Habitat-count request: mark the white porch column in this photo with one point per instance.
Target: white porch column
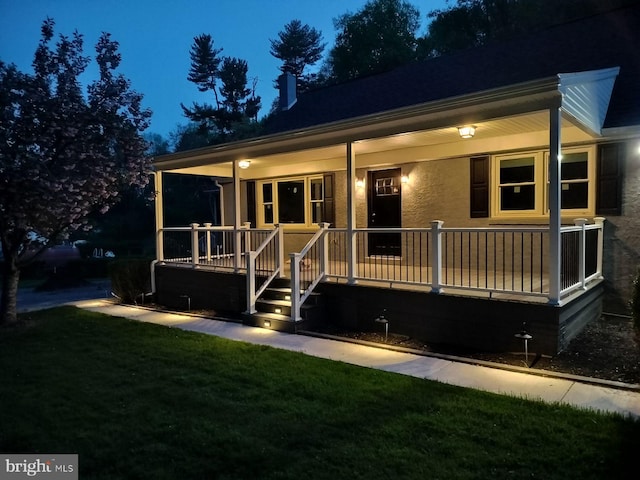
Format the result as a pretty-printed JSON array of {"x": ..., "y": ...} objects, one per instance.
[
  {"x": 237, "y": 237},
  {"x": 351, "y": 215},
  {"x": 159, "y": 216},
  {"x": 555, "y": 219}
]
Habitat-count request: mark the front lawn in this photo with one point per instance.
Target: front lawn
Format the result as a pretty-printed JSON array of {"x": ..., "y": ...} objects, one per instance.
[{"x": 144, "y": 401}]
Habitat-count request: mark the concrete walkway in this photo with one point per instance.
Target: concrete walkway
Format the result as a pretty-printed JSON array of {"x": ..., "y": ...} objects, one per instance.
[{"x": 581, "y": 393}]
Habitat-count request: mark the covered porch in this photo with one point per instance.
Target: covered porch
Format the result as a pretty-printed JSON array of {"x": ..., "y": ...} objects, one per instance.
[{"x": 439, "y": 245}]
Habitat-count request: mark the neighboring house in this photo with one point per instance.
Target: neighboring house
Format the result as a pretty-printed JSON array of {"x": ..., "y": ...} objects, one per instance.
[{"x": 367, "y": 193}]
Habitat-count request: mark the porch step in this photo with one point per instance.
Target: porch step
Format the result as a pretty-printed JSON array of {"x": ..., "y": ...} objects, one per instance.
[
  {"x": 273, "y": 321},
  {"x": 282, "y": 307},
  {"x": 284, "y": 293},
  {"x": 274, "y": 310}
]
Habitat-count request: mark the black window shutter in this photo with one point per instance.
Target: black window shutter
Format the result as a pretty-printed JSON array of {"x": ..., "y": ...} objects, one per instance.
[
  {"x": 609, "y": 179},
  {"x": 328, "y": 205},
  {"x": 479, "y": 195},
  {"x": 251, "y": 203}
]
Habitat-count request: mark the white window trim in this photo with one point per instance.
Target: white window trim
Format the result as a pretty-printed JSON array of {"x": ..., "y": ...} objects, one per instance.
[
  {"x": 276, "y": 213},
  {"x": 541, "y": 175},
  {"x": 538, "y": 178},
  {"x": 591, "y": 178}
]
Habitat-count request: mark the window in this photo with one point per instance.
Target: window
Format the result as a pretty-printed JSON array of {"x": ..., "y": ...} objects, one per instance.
[
  {"x": 522, "y": 183},
  {"x": 518, "y": 184},
  {"x": 317, "y": 200},
  {"x": 574, "y": 185},
  {"x": 291, "y": 201},
  {"x": 267, "y": 202}
]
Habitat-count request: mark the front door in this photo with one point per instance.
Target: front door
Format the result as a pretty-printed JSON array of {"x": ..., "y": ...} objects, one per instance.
[{"x": 384, "y": 202}]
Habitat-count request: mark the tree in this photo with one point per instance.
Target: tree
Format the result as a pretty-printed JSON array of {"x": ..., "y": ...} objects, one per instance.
[
  {"x": 471, "y": 23},
  {"x": 235, "y": 104},
  {"x": 158, "y": 145},
  {"x": 298, "y": 46},
  {"x": 63, "y": 153},
  {"x": 378, "y": 38}
]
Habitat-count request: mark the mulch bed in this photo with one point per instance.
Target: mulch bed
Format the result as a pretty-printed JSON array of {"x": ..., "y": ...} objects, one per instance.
[{"x": 608, "y": 349}]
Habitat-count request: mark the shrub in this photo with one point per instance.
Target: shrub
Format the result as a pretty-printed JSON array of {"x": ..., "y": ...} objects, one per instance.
[
  {"x": 635, "y": 301},
  {"x": 130, "y": 278}
]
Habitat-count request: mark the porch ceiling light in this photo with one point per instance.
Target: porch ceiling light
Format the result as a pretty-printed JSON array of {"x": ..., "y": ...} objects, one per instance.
[
  {"x": 468, "y": 131},
  {"x": 244, "y": 164}
]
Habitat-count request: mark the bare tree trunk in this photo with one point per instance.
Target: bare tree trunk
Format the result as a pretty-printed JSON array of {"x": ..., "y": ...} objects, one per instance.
[{"x": 8, "y": 303}]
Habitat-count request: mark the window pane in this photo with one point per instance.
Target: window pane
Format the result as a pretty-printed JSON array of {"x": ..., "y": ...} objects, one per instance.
[
  {"x": 267, "y": 193},
  {"x": 574, "y": 166},
  {"x": 268, "y": 213},
  {"x": 291, "y": 201},
  {"x": 517, "y": 170},
  {"x": 518, "y": 197},
  {"x": 316, "y": 212},
  {"x": 316, "y": 189},
  {"x": 574, "y": 195}
]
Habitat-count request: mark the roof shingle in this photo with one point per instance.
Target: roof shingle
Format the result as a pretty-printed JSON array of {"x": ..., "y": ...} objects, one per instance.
[{"x": 601, "y": 41}]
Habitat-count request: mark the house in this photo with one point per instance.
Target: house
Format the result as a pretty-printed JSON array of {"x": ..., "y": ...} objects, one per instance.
[{"x": 460, "y": 197}]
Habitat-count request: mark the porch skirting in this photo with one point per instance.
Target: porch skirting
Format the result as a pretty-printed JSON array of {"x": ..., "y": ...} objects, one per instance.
[
  {"x": 464, "y": 321},
  {"x": 467, "y": 322}
]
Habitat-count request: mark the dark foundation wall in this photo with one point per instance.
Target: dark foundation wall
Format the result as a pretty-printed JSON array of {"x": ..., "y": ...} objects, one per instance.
[
  {"x": 476, "y": 323},
  {"x": 222, "y": 292}
]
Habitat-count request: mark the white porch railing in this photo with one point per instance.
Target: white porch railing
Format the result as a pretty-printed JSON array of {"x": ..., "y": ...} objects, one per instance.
[
  {"x": 308, "y": 268},
  {"x": 263, "y": 265},
  {"x": 511, "y": 260},
  {"x": 206, "y": 245}
]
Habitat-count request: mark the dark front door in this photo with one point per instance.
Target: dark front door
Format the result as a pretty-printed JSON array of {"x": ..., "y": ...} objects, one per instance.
[{"x": 385, "y": 191}]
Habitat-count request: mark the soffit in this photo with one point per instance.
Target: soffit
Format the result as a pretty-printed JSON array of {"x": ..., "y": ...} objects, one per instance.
[{"x": 491, "y": 135}]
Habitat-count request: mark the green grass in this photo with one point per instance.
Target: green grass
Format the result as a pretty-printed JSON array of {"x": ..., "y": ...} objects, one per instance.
[{"x": 143, "y": 401}]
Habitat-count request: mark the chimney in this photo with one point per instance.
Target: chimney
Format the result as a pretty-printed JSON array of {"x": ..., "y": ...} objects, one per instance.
[{"x": 287, "y": 84}]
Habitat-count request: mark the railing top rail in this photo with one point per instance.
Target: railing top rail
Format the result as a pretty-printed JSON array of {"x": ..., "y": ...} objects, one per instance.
[
  {"x": 312, "y": 241},
  {"x": 577, "y": 228},
  {"x": 199, "y": 228},
  {"x": 452, "y": 229},
  {"x": 175, "y": 229},
  {"x": 533, "y": 229}
]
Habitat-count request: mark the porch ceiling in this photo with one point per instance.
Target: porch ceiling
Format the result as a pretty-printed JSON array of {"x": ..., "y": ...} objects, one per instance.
[{"x": 509, "y": 133}]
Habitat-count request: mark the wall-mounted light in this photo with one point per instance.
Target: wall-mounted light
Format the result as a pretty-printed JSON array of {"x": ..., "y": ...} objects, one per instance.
[
  {"x": 468, "y": 131},
  {"x": 244, "y": 164},
  {"x": 404, "y": 179},
  {"x": 360, "y": 182}
]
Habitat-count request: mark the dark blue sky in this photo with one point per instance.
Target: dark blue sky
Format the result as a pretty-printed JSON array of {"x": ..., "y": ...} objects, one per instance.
[{"x": 155, "y": 38}]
